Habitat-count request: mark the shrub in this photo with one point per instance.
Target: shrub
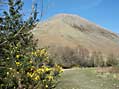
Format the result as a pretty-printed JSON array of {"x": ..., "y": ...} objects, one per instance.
[
  {"x": 65, "y": 57},
  {"x": 68, "y": 57},
  {"x": 112, "y": 60},
  {"x": 97, "y": 59},
  {"x": 21, "y": 64},
  {"x": 30, "y": 71}
]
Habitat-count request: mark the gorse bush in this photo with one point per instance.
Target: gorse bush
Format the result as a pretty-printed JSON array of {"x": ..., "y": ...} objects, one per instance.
[
  {"x": 22, "y": 66},
  {"x": 32, "y": 72}
]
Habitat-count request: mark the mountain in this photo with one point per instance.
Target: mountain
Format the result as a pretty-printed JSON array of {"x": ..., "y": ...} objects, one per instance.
[{"x": 74, "y": 32}]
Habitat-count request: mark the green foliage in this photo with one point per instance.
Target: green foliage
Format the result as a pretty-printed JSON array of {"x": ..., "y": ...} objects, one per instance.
[{"x": 21, "y": 64}]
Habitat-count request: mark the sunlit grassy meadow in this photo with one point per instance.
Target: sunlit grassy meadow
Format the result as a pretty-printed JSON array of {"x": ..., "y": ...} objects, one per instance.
[{"x": 87, "y": 78}]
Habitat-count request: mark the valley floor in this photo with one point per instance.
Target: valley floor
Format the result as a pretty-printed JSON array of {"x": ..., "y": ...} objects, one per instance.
[{"x": 87, "y": 78}]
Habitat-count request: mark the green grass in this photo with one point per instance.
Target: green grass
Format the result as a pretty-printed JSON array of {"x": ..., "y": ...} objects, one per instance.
[{"x": 86, "y": 78}]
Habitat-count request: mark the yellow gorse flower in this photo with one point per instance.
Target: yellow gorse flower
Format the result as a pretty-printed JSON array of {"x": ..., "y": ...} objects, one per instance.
[
  {"x": 29, "y": 74},
  {"x": 40, "y": 70},
  {"x": 30, "y": 61},
  {"x": 47, "y": 69},
  {"x": 58, "y": 69},
  {"x": 50, "y": 77},
  {"x": 36, "y": 78},
  {"x": 41, "y": 53},
  {"x": 32, "y": 53},
  {"x": 33, "y": 75},
  {"x": 18, "y": 63},
  {"x": 17, "y": 56},
  {"x": 46, "y": 86}
]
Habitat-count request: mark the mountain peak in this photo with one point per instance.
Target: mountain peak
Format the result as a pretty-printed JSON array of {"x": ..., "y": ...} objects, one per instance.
[
  {"x": 72, "y": 30},
  {"x": 78, "y": 22},
  {"x": 65, "y": 14},
  {"x": 72, "y": 19}
]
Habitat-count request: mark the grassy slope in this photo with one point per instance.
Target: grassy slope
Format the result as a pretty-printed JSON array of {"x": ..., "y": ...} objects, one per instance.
[{"x": 86, "y": 79}]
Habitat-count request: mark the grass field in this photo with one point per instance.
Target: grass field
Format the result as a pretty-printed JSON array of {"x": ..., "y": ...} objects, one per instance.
[{"x": 87, "y": 78}]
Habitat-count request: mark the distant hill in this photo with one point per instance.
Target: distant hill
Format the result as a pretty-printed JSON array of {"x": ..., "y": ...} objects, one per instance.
[{"x": 72, "y": 32}]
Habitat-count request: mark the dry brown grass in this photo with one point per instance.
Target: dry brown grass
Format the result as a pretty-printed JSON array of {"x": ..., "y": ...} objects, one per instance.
[{"x": 108, "y": 70}]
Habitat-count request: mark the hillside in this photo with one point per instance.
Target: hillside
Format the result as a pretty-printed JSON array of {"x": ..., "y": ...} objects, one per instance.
[{"x": 72, "y": 32}]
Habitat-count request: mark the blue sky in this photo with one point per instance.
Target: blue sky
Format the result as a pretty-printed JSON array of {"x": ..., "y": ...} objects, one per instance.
[{"x": 102, "y": 12}]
